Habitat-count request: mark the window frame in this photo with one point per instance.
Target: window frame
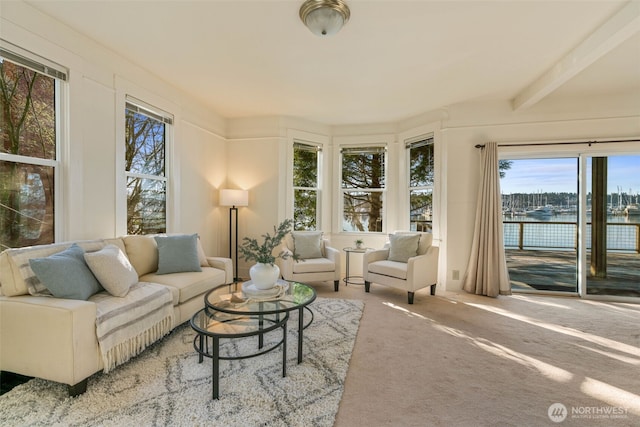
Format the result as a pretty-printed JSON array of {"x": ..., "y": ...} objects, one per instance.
[
  {"x": 168, "y": 120},
  {"x": 364, "y": 143},
  {"x": 318, "y": 186},
  {"x": 409, "y": 144},
  {"x": 324, "y": 175},
  {"x": 60, "y": 76}
]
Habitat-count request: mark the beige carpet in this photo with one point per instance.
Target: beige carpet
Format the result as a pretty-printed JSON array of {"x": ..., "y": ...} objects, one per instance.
[{"x": 464, "y": 360}]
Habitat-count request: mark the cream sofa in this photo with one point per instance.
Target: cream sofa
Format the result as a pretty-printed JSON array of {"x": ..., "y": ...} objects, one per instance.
[{"x": 56, "y": 339}]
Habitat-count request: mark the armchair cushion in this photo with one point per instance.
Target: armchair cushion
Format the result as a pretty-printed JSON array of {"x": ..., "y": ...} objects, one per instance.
[
  {"x": 307, "y": 244},
  {"x": 389, "y": 268},
  {"x": 403, "y": 246},
  {"x": 314, "y": 265}
]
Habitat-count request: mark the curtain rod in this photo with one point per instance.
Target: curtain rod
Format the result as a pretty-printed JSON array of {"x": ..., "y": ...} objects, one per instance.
[{"x": 563, "y": 143}]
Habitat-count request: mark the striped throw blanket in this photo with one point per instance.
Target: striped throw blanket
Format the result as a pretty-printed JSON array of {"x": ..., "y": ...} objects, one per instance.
[{"x": 126, "y": 326}]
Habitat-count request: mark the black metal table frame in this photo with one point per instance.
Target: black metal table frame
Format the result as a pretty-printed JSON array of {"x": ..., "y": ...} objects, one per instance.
[
  {"x": 348, "y": 280},
  {"x": 201, "y": 340},
  {"x": 301, "y": 325},
  {"x": 201, "y": 344}
]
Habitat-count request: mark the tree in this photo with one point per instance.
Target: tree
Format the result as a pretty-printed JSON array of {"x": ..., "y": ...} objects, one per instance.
[
  {"x": 363, "y": 176},
  {"x": 305, "y": 180},
  {"x": 503, "y": 166},
  {"x": 27, "y": 128},
  {"x": 145, "y": 155},
  {"x": 421, "y": 179}
]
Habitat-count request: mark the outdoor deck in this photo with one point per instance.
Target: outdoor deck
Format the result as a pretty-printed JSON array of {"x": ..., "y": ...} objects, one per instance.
[{"x": 549, "y": 270}]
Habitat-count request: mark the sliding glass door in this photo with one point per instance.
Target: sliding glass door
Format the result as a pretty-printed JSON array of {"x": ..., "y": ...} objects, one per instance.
[
  {"x": 540, "y": 215},
  {"x": 613, "y": 226},
  {"x": 545, "y": 212}
]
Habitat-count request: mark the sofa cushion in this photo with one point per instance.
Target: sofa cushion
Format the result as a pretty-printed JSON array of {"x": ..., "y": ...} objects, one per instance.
[
  {"x": 112, "y": 269},
  {"x": 307, "y": 244},
  {"x": 389, "y": 268},
  {"x": 403, "y": 246},
  {"x": 117, "y": 241},
  {"x": 143, "y": 253},
  {"x": 187, "y": 285},
  {"x": 177, "y": 254},
  {"x": 66, "y": 274}
]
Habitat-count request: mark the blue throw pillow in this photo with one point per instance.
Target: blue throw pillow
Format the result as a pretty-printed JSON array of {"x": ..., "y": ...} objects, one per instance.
[
  {"x": 66, "y": 274},
  {"x": 177, "y": 254}
]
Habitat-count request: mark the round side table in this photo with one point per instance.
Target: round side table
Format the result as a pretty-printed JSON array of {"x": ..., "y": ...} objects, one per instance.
[{"x": 349, "y": 279}]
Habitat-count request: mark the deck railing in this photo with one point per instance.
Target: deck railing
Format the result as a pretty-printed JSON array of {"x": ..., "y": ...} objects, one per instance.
[{"x": 564, "y": 235}]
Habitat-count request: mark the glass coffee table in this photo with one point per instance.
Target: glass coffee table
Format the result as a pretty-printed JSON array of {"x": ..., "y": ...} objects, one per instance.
[{"x": 250, "y": 312}]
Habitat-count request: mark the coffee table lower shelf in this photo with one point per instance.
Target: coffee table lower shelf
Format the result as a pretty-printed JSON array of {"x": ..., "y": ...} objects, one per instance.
[{"x": 212, "y": 326}]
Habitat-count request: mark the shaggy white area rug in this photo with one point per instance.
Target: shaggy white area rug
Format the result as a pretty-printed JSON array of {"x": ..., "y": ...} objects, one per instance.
[{"x": 166, "y": 386}]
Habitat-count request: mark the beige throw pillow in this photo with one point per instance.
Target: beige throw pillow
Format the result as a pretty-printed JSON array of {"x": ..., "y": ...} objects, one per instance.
[
  {"x": 403, "y": 246},
  {"x": 143, "y": 253},
  {"x": 202, "y": 257},
  {"x": 112, "y": 269},
  {"x": 307, "y": 244}
]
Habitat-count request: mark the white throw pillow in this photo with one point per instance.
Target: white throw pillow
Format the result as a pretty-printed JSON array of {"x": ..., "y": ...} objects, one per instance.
[
  {"x": 307, "y": 244},
  {"x": 202, "y": 257},
  {"x": 403, "y": 246},
  {"x": 112, "y": 269}
]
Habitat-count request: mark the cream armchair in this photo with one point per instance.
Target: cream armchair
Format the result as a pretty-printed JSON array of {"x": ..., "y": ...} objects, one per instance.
[
  {"x": 318, "y": 261},
  {"x": 409, "y": 262}
]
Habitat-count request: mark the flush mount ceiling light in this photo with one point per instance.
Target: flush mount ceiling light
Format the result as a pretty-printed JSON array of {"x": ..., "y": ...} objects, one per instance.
[{"x": 324, "y": 17}]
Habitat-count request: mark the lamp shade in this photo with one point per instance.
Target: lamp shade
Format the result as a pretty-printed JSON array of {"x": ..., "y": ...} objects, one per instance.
[{"x": 234, "y": 197}]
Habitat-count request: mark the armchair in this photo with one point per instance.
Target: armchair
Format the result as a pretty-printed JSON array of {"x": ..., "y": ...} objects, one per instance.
[
  {"x": 318, "y": 261},
  {"x": 409, "y": 262}
]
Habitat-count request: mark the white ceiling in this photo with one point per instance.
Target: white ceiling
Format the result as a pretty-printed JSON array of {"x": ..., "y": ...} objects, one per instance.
[{"x": 393, "y": 60}]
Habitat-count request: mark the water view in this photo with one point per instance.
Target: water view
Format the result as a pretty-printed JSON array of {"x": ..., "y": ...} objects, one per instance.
[{"x": 541, "y": 223}]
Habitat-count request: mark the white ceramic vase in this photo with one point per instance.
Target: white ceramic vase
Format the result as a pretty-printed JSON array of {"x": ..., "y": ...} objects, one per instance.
[{"x": 264, "y": 276}]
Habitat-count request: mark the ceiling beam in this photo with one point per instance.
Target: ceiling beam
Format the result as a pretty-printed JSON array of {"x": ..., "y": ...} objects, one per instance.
[{"x": 621, "y": 26}]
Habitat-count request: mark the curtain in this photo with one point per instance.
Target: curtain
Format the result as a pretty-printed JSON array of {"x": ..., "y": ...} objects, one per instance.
[{"x": 487, "y": 272}]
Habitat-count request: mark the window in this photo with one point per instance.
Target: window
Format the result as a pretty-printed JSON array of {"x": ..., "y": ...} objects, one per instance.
[
  {"x": 363, "y": 188},
  {"x": 29, "y": 133},
  {"x": 146, "y": 134},
  {"x": 421, "y": 177},
  {"x": 306, "y": 188}
]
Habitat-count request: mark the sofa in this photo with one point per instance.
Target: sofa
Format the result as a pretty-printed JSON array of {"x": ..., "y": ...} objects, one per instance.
[{"x": 59, "y": 329}]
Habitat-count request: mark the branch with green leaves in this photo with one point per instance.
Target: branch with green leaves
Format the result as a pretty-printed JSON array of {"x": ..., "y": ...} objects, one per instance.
[{"x": 251, "y": 250}]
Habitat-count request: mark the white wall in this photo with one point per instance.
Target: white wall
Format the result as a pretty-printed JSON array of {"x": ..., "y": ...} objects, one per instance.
[
  {"x": 98, "y": 81},
  {"x": 254, "y": 165}
]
